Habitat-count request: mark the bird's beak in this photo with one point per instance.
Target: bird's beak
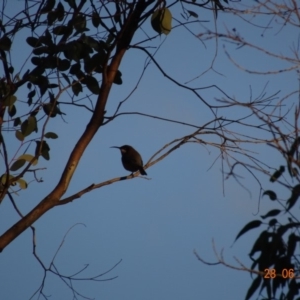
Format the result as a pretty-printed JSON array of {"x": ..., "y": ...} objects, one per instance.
[{"x": 115, "y": 147}]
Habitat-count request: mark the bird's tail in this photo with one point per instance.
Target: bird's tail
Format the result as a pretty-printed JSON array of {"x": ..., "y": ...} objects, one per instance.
[{"x": 142, "y": 171}]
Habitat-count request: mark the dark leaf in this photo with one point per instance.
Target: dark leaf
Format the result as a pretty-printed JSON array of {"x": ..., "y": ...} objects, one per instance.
[
  {"x": 11, "y": 69},
  {"x": 51, "y": 17},
  {"x": 272, "y": 222},
  {"x": 33, "y": 42},
  {"x": 18, "y": 164},
  {"x": 261, "y": 243},
  {"x": 5, "y": 43},
  {"x": 51, "y": 135},
  {"x": 272, "y": 213},
  {"x": 95, "y": 19},
  {"x": 249, "y": 226},
  {"x": 41, "y": 50},
  {"x": 19, "y": 136},
  {"x": 62, "y": 29},
  {"x": 44, "y": 149},
  {"x": 271, "y": 195},
  {"x": 92, "y": 84},
  {"x": 17, "y": 121},
  {"x": 53, "y": 85},
  {"x": 282, "y": 229},
  {"x": 294, "y": 197},
  {"x": 48, "y": 6},
  {"x": 75, "y": 68},
  {"x": 12, "y": 111},
  {"x": 277, "y": 174},
  {"x": 266, "y": 285},
  {"x": 118, "y": 78},
  {"x": 254, "y": 286},
  {"x": 28, "y": 126},
  {"x": 192, "y": 13},
  {"x": 63, "y": 64},
  {"x": 76, "y": 87},
  {"x": 60, "y": 10},
  {"x": 37, "y": 61},
  {"x": 35, "y": 74},
  {"x": 66, "y": 78},
  {"x": 293, "y": 290},
  {"x": 79, "y": 23},
  {"x": 46, "y": 39}
]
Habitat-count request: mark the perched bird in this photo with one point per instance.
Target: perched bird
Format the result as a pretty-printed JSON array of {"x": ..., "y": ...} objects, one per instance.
[{"x": 131, "y": 159}]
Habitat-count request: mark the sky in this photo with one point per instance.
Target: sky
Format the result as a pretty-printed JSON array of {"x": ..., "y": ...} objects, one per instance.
[{"x": 152, "y": 225}]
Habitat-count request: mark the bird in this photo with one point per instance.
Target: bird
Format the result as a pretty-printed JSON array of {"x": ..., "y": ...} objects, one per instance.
[{"x": 131, "y": 159}]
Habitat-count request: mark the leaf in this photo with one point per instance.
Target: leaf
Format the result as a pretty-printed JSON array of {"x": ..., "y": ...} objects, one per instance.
[
  {"x": 12, "y": 111},
  {"x": 17, "y": 121},
  {"x": 249, "y": 226},
  {"x": 75, "y": 68},
  {"x": 62, "y": 29},
  {"x": 28, "y": 126},
  {"x": 95, "y": 19},
  {"x": 118, "y": 78},
  {"x": 31, "y": 94},
  {"x": 271, "y": 195},
  {"x": 48, "y": 6},
  {"x": 161, "y": 21},
  {"x": 18, "y": 164},
  {"x": 22, "y": 183},
  {"x": 46, "y": 39},
  {"x": 272, "y": 213},
  {"x": 272, "y": 222},
  {"x": 76, "y": 88},
  {"x": 4, "y": 178},
  {"x": 66, "y": 78},
  {"x": 51, "y": 135},
  {"x": 79, "y": 23},
  {"x": 28, "y": 157},
  {"x": 33, "y": 42},
  {"x": 277, "y": 174},
  {"x": 294, "y": 197},
  {"x": 19, "y": 136},
  {"x": 10, "y": 100},
  {"x": 92, "y": 84},
  {"x": 60, "y": 10},
  {"x": 51, "y": 17},
  {"x": 63, "y": 64},
  {"x": 41, "y": 50},
  {"x": 44, "y": 151},
  {"x": 192, "y": 13},
  {"x": 5, "y": 43},
  {"x": 254, "y": 286}
]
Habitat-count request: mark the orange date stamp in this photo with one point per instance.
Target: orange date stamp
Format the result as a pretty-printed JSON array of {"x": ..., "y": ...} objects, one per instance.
[{"x": 285, "y": 273}]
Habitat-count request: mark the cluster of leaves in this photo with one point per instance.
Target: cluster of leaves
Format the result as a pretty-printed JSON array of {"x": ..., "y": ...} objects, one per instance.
[
  {"x": 66, "y": 50},
  {"x": 63, "y": 49},
  {"x": 277, "y": 247}
]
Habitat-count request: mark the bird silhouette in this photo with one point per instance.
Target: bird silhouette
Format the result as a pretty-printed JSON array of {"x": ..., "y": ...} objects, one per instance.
[{"x": 131, "y": 159}]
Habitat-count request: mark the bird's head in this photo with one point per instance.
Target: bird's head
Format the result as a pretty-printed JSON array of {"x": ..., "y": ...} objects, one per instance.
[{"x": 123, "y": 149}]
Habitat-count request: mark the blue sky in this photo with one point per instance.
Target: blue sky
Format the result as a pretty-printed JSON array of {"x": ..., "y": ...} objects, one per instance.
[{"x": 152, "y": 225}]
